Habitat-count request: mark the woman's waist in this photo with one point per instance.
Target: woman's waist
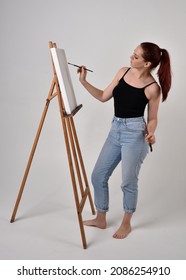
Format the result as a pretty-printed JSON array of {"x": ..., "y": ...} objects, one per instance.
[{"x": 129, "y": 120}]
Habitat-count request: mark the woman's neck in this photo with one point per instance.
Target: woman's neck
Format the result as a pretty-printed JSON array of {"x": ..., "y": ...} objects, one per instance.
[{"x": 140, "y": 73}]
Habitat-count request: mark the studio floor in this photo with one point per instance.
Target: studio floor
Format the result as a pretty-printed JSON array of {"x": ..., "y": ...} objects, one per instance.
[{"x": 50, "y": 230}]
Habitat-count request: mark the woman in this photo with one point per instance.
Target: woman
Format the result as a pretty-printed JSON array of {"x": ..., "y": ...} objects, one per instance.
[{"x": 129, "y": 138}]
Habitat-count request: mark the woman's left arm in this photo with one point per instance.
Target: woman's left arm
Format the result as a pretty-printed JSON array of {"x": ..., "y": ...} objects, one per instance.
[{"x": 154, "y": 94}]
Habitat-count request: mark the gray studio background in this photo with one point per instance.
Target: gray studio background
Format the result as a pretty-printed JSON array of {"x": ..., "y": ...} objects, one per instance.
[{"x": 101, "y": 35}]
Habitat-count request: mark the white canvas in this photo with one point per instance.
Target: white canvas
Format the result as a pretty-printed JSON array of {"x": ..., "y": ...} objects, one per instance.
[{"x": 64, "y": 78}]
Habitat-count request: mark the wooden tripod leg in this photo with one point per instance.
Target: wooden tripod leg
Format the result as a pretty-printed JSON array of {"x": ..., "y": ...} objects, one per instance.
[
  {"x": 30, "y": 161},
  {"x": 82, "y": 165},
  {"x": 71, "y": 135},
  {"x": 65, "y": 127}
]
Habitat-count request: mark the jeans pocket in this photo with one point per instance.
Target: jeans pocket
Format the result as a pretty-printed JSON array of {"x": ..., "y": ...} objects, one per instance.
[{"x": 136, "y": 126}]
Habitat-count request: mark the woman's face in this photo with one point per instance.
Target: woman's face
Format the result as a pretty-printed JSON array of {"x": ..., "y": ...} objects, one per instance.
[{"x": 136, "y": 59}]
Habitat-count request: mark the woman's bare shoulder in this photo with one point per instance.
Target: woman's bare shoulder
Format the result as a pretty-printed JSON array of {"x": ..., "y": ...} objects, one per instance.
[
  {"x": 153, "y": 91},
  {"x": 121, "y": 72}
]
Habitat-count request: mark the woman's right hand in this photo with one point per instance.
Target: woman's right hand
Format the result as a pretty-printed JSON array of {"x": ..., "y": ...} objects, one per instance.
[{"x": 83, "y": 73}]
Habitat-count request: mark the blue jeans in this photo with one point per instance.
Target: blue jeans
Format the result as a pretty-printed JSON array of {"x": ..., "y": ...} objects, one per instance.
[{"x": 125, "y": 143}]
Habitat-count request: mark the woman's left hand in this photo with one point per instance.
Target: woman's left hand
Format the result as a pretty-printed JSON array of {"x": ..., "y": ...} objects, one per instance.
[{"x": 150, "y": 138}]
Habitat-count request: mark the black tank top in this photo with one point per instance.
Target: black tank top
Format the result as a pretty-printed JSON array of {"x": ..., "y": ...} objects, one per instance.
[{"x": 129, "y": 101}]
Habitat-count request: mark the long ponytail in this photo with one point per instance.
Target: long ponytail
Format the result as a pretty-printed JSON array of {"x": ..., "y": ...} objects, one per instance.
[
  {"x": 158, "y": 56},
  {"x": 164, "y": 73}
]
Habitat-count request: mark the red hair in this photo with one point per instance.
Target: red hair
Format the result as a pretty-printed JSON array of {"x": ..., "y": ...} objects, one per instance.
[{"x": 157, "y": 56}]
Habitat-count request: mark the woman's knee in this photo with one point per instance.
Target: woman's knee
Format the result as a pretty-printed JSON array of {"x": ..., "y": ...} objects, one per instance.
[{"x": 98, "y": 179}]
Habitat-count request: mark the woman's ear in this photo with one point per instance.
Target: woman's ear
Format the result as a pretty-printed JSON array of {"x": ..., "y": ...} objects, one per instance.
[{"x": 147, "y": 64}]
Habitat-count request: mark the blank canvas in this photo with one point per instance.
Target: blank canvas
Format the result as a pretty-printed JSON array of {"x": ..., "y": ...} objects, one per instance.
[{"x": 64, "y": 78}]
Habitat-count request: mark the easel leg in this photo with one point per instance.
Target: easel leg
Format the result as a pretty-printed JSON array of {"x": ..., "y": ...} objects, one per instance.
[
  {"x": 67, "y": 134},
  {"x": 82, "y": 165},
  {"x": 30, "y": 161}
]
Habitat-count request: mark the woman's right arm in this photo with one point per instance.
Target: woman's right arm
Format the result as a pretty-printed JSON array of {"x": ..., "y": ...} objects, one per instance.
[{"x": 101, "y": 95}]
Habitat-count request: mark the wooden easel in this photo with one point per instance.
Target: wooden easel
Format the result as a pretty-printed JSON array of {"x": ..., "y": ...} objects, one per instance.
[{"x": 76, "y": 165}]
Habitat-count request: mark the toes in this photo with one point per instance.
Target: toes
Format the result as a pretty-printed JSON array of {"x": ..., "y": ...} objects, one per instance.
[
  {"x": 121, "y": 235},
  {"x": 118, "y": 236}
]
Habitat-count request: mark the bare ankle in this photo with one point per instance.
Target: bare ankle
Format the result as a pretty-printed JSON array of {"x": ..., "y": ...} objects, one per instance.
[
  {"x": 125, "y": 227},
  {"x": 101, "y": 216}
]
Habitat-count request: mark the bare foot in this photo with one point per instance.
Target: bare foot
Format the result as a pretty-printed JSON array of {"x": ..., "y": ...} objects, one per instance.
[
  {"x": 123, "y": 231},
  {"x": 99, "y": 221},
  {"x": 95, "y": 223}
]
